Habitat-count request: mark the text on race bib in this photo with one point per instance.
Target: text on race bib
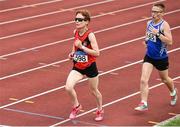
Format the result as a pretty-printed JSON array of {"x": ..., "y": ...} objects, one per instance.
[
  {"x": 151, "y": 37},
  {"x": 81, "y": 58}
]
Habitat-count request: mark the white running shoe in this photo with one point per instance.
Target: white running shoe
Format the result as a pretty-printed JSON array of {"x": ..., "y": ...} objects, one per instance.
[
  {"x": 141, "y": 107},
  {"x": 174, "y": 98}
]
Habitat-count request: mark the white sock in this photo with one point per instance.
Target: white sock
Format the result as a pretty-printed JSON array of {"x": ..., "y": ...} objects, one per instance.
[
  {"x": 145, "y": 102},
  {"x": 173, "y": 93}
]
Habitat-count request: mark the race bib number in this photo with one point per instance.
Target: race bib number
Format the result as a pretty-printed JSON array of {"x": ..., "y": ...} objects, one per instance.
[
  {"x": 80, "y": 56},
  {"x": 151, "y": 37}
]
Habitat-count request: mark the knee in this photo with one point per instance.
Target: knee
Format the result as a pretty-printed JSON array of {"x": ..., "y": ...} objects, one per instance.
[
  {"x": 68, "y": 88},
  {"x": 164, "y": 80},
  {"x": 94, "y": 91}
]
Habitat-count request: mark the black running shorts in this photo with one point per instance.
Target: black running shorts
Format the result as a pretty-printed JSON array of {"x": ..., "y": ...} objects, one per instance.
[
  {"x": 90, "y": 71},
  {"x": 161, "y": 64}
]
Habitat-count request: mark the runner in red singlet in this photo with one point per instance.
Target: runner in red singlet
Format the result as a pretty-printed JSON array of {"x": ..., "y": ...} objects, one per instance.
[{"x": 84, "y": 53}]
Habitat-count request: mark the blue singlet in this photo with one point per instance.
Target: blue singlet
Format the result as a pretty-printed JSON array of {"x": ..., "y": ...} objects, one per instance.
[{"x": 156, "y": 49}]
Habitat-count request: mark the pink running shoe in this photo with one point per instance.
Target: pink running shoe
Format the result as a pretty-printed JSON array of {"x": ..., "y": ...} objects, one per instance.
[
  {"x": 99, "y": 115},
  {"x": 75, "y": 111}
]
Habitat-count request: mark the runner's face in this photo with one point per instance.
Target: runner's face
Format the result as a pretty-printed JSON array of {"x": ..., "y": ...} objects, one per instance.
[
  {"x": 157, "y": 13},
  {"x": 80, "y": 21}
]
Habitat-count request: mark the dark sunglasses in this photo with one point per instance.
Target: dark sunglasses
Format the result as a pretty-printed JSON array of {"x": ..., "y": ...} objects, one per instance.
[
  {"x": 79, "y": 19},
  {"x": 156, "y": 11}
]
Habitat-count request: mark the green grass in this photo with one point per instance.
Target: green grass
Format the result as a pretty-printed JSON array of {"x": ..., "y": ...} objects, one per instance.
[{"x": 174, "y": 122}]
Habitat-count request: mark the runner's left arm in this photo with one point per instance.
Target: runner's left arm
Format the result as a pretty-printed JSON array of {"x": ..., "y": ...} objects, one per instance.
[{"x": 167, "y": 37}]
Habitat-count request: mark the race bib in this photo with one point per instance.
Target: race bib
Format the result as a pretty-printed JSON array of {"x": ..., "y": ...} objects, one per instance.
[
  {"x": 151, "y": 37},
  {"x": 80, "y": 56}
]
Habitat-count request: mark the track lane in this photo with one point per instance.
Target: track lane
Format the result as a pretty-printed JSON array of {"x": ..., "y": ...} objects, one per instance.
[
  {"x": 9, "y": 28},
  {"x": 123, "y": 111},
  {"x": 69, "y": 33},
  {"x": 43, "y": 10},
  {"x": 42, "y": 23},
  {"x": 44, "y": 77},
  {"x": 48, "y": 78},
  {"x": 120, "y": 78},
  {"x": 27, "y": 62},
  {"x": 7, "y": 4},
  {"x": 89, "y": 117},
  {"x": 28, "y": 5},
  {"x": 29, "y": 42}
]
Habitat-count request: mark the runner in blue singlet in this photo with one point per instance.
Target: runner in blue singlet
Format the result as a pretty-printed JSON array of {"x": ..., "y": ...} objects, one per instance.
[{"x": 158, "y": 37}]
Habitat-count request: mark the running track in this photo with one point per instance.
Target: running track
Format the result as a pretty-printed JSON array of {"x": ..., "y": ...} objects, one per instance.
[{"x": 35, "y": 39}]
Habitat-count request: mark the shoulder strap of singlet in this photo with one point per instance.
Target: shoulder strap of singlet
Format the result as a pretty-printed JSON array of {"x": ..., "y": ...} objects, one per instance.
[
  {"x": 160, "y": 27},
  {"x": 76, "y": 34},
  {"x": 82, "y": 38},
  {"x": 149, "y": 23}
]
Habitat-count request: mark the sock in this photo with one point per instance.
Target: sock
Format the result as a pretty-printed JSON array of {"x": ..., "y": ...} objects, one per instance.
[
  {"x": 173, "y": 93},
  {"x": 145, "y": 103}
]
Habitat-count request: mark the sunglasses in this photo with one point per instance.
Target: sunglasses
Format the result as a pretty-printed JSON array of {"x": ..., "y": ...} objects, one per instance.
[
  {"x": 79, "y": 19},
  {"x": 156, "y": 11}
]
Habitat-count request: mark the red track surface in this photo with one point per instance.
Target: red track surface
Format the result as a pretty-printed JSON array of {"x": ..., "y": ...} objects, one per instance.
[{"x": 26, "y": 75}]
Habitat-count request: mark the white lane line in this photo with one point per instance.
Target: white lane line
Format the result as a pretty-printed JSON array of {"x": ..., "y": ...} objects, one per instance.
[
  {"x": 176, "y": 82},
  {"x": 68, "y": 39},
  {"x": 4, "y": 125},
  {"x": 66, "y": 23},
  {"x": 33, "y": 69},
  {"x": 29, "y": 5},
  {"x": 55, "y": 12},
  {"x": 127, "y": 9},
  {"x": 61, "y": 87},
  {"x": 65, "y": 60},
  {"x": 110, "y": 103}
]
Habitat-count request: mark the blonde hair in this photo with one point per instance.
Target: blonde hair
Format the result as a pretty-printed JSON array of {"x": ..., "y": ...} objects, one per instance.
[{"x": 161, "y": 5}]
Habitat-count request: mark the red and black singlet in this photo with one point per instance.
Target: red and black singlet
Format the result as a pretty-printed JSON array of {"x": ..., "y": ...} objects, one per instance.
[{"x": 82, "y": 60}]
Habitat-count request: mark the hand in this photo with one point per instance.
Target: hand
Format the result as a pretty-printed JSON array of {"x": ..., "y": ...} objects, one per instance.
[
  {"x": 78, "y": 43},
  {"x": 154, "y": 31},
  {"x": 71, "y": 55}
]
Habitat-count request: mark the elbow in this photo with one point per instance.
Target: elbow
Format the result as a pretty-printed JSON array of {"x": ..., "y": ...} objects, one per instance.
[{"x": 170, "y": 43}]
